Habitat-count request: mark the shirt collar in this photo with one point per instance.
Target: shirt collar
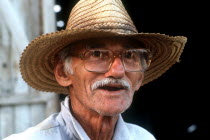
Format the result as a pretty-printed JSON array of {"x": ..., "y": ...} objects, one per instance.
[
  {"x": 121, "y": 131},
  {"x": 72, "y": 124}
]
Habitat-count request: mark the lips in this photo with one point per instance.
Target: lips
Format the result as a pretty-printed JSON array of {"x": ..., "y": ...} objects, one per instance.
[{"x": 112, "y": 88}]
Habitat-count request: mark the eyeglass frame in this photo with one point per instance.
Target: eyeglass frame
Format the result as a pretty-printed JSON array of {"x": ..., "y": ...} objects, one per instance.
[{"x": 119, "y": 55}]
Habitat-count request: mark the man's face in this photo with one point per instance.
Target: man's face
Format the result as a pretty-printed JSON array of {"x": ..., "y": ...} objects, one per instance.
[{"x": 105, "y": 98}]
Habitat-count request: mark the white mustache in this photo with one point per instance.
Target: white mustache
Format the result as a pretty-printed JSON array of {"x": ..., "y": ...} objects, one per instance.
[{"x": 108, "y": 81}]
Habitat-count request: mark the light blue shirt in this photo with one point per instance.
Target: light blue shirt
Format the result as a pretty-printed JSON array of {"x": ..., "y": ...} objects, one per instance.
[{"x": 63, "y": 126}]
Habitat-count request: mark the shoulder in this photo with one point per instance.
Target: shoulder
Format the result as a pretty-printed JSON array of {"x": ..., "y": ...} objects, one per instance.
[
  {"x": 47, "y": 129},
  {"x": 138, "y": 132}
]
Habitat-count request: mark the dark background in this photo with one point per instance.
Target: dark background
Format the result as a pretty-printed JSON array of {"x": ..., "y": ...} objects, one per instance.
[{"x": 169, "y": 105}]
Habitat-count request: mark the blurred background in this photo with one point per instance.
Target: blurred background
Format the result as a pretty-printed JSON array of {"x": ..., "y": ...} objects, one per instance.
[{"x": 174, "y": 106}]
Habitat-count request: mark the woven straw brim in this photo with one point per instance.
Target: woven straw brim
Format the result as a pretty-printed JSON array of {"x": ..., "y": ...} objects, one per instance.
[{"x": 37, "y": 61}]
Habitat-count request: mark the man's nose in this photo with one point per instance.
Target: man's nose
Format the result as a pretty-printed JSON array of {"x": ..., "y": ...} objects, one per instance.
[{"x": 117, "y": 69}]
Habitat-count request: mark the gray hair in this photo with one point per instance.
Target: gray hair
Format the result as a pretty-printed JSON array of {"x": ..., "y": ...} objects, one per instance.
[{"x": 64, "y": 56}]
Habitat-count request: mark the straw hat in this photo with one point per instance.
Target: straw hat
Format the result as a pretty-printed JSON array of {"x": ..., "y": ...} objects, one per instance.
[{"x": 95, "y": 19}]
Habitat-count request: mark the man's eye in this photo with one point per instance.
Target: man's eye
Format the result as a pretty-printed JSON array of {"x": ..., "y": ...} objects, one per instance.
[
  {"x": 97, "y": 54},
  {"x": 128, "y": 55}
]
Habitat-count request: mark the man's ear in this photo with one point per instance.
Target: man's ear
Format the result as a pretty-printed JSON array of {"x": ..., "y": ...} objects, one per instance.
[{"x": 61, "y": 76}]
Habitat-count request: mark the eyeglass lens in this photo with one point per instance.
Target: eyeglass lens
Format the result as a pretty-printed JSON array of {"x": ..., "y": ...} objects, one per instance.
[{"x": 101, "y": 60}]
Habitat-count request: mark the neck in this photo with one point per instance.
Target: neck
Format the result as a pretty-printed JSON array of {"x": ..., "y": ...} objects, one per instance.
[{"x": 97, "y": 127}]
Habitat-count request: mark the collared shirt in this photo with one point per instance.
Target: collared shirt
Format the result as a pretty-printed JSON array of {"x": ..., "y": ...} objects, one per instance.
[{"x": 63, "y": 126}]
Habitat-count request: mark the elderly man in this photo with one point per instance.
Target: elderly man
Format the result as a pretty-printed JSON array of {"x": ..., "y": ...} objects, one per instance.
[{"x": 99, "y": 61}]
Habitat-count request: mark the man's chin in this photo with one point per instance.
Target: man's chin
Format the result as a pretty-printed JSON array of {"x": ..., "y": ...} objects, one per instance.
[
  {"x": 111, "y": 112},
  {"x": 112, "y": 106}
]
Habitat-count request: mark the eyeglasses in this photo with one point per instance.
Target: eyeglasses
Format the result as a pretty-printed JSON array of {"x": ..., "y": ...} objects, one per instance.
[{"x": 100, "y": 61}]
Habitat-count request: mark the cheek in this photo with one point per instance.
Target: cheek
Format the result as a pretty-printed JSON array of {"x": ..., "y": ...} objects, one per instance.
[
  {"x": 82, "y": 79},
  {"x": 79, "y": 78},
  {"x": 136, "y": 80}
]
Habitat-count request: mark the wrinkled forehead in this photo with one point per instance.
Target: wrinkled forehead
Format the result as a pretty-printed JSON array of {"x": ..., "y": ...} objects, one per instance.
[{"x": 106, "y": 43}]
